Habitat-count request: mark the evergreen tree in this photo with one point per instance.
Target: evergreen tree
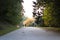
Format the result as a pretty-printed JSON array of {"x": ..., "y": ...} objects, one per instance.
[{"x": 10, "y": 11}]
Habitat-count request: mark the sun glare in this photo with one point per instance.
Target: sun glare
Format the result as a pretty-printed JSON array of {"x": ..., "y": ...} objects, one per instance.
[{"x": 28, "y": 7}]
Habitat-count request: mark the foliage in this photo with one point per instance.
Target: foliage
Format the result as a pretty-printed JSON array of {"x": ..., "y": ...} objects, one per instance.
[
  {"x": 10, "y": 15},
  {"x": 51, "y": 12},
  {"x": 28, "y": 21},
  {"x": 10, "y": 11},
  {"x": 48, "y": 18},
  {"x": 37, "y": 14}
]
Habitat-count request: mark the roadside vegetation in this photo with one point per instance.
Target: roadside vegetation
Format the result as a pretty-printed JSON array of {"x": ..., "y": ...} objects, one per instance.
[
  {"x": 52, "y": 29},
  {"x": 6, "y": 29},
  {"x": 10, "y": 15},
  {"x": 51, "y": 14}
]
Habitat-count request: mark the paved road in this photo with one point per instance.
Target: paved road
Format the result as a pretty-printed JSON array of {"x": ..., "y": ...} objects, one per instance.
[{"x": 30, "y": 33}]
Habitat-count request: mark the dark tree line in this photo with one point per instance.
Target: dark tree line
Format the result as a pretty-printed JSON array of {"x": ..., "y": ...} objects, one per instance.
[
  {"x": 10, "y": 11},
  {"x": 51, "y": 12}
]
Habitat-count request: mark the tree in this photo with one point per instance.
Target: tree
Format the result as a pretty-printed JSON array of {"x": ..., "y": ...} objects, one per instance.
[
  {"x": 37, "y": 14},
  {"x": 10, "y": 11},
  {"x": 51, "y": 12}
]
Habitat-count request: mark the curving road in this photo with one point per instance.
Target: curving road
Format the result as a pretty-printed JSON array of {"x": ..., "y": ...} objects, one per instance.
[{"x": 30, "y": 33}]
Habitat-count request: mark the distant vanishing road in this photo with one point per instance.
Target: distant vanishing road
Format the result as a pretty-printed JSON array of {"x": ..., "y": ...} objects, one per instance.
[{"x": 30, "y": 33}]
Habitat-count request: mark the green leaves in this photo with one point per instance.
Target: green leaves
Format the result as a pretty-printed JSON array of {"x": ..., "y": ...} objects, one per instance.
[
  {"x": 11, "y": 10},
  {"x": 51, "y": 12}
]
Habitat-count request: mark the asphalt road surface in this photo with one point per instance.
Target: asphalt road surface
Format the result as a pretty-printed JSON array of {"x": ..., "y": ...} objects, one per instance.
[{"x": 30, "y": 33}]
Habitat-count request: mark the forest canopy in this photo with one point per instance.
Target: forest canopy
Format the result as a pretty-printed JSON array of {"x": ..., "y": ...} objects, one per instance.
[
  {"x": 10, "y": 11},
  {"x": 51, "y": 12}
]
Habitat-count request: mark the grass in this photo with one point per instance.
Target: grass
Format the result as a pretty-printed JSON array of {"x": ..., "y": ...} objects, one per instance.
[
  {"x": 5, "y": 27},
  {"x": 7, "y": 30},
  {"x": 52, "y": 29}
]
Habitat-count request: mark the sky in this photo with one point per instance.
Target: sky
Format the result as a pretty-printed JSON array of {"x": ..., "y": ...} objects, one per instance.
[{"x": 28, "y": 8}]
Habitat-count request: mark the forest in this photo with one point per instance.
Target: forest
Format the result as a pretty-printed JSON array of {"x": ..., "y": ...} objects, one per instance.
[
  {"x": 11, "y": 14},
  {"x": 51, "y": 13}
]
